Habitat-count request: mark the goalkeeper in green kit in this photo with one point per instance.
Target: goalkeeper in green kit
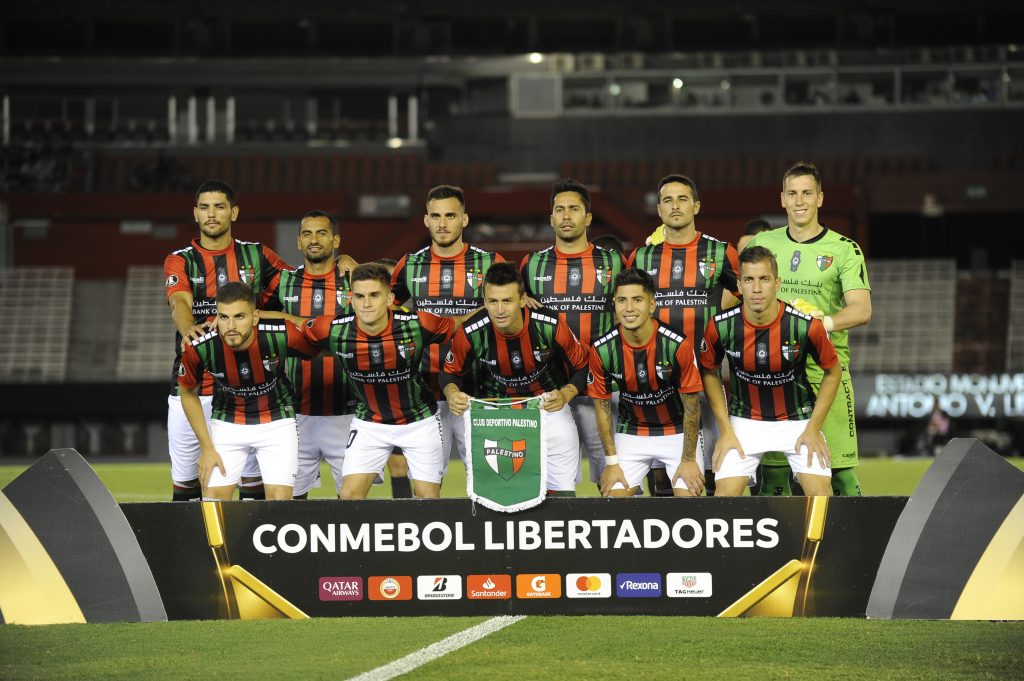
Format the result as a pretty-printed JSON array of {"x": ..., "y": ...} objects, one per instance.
[{"x": 823, "y": 274}]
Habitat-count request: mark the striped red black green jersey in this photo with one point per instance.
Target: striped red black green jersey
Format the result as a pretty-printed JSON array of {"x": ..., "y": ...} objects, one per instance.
[
  {"x": 321, "y": 387},
  {"x": 385, "y": 368},
  {"x": 529, "y": 363},
  {"x": 201, "y": 272},
  {"x": 447, "y": 286},
  {"x": 649, "y": 379},
  {"x": 767, "y": 363},
  {"x": 575, "y": 285},
  {"x": 689, "y": 280},
  {"x": 251, "y": 385}
]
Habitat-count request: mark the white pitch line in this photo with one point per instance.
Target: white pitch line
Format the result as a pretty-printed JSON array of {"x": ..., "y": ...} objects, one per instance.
[{"x": 439, "y": 649}]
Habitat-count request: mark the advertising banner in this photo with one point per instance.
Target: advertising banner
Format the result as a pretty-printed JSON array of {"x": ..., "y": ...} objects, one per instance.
[{"x": 507, "y": 466}]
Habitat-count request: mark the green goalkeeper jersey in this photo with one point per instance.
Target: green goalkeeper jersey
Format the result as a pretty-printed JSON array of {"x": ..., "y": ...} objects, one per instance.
[{"x": 820, "y": 271}]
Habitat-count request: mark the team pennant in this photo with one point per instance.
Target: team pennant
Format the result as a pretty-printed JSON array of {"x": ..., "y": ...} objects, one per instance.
[{"x": 507, "y": 468}]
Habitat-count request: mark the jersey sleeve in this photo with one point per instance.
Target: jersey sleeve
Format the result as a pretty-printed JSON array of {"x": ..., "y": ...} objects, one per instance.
[
  {"x": 822, "y": 350},
  {"x": 298, "y": 344},
  {"x": 271, "y": 266},
  {"x": 457, "y": 361},
  {"x": 730, "y": 275},
  {"x": 854, "y": 271},
  {"x": 522, "y": 272},
  {"x": 175, "y": 277},
  {"x": 435, "y": 329},
  {"x": 398, "y": 287},
  {"x": 711, "y": 352},
  {"x": 574, "y": 350},
  {"x": 631, "y": 259},
  {"x": 317, "y": 329},
  {"x": 190, "y": 370},
  {"x": 498, "y": 257},
  {"x": 597, "y": 385},
  {"x": 689, "y": 375}
]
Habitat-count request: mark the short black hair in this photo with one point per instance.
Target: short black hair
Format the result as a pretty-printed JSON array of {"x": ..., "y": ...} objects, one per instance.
[
  {"x": 609, "y": 242},
  {"x": 234, "y": 291},
  {"x": 567, "y": 184},
  {"x": 321, "y": 214},
  {"x": 502, "y": 274},
  {"x": 217, "y": 186},
  {"x": 681, "y": 179},
  {"x": 633, "y": 275},
  {"x": 447, "y": 191},
  {"x": 756, "y": 226},
  {"x": 802, "y": 168},
  {"x": 752, "y": 254},
  {"x": 372, "y": 271}
]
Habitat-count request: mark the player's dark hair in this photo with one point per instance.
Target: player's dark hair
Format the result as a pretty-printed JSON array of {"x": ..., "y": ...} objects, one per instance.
[
  {"x": 389, "y": 264},
  {"x": 753, "y": 254},
  {"x": 633, "y": 275},
  {"x": 567, "y": 184},
  {"x": 217, "y": 186},
  {"x": 756, "y": 226},
  {"x": 372, "y": 271},
  {"x": 502, "y": 274},
  {"x": 609, "y": 242},
  {"x": 447, "y": 191},
  {"x": 802, "y": 168},
  {"x": 234, "y": 291},
  {"x": 321, "y": 214},
  {"x": 681, "y": 179}
]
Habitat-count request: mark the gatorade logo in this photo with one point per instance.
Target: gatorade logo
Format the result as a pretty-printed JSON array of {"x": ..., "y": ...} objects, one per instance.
[
  {"x": 390, "y": 588},
  {"x": 588, "y": 585},
  {"x": 489, "y": 587},
  {"x": 538, "y": 586}
]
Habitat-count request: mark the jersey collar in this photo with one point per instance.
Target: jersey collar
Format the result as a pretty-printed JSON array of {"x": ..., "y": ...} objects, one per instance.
[{"x": 813, "y": 239}]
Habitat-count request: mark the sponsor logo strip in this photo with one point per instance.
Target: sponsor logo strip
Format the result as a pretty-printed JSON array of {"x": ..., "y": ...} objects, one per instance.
[
  {"x": 489, "y": 587},
  {"x": 439, "y": 587},
  {"x": 638, "y": 585},
  {"x": 341, "y": 589},
  {"x": 390, "y": 588},
  {"x": 588, "y": 585},
  {"x": 688, "y": 584},
  {"x": 532, "y": 586}
]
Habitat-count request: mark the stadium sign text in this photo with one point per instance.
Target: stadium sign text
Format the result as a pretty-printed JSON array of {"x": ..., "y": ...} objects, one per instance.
[{"x": 959, "y": 395}]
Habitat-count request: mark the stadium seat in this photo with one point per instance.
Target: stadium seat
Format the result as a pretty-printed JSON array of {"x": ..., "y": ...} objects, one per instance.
[{"x": 36, "y": 303}]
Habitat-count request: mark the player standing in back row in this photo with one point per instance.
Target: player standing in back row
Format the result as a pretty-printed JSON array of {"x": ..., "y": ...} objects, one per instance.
[{"x": 824, "y": 274}]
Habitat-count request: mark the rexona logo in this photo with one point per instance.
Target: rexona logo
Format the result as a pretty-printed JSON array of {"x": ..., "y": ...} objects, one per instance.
[
  {"x": 390, "y": 588},
  {"x": 538, "y": 586},
  {"x": 688, "y": 584},
  {"x": 489, "y": 587},
  {"x": 341, "y": 588},
  {"x": 588, "y": 585},
  {"x": 439, "y": 587},
  {"x": 638, "y": 585}
]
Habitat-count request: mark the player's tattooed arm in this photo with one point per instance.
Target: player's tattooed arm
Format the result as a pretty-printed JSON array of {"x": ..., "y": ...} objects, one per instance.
[
  {"x": 612, "y": 478},
  {"x": 603, "y": 412},
  {"x": 691, "y": 425}
]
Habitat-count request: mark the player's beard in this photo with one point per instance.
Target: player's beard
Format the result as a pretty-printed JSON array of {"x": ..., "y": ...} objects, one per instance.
[
  {"x": 214, "y": 230},
  {"x": 317, "y": 258}
]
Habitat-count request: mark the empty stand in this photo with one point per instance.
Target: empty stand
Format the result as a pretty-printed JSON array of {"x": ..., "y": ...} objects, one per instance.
[
  {"x": 913, "y": 314},
  {"x": 34, "y": 338},
  {"x": 146, "y": 349}
]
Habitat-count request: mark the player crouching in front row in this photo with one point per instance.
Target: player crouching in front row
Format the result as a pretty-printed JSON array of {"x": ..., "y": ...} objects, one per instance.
[
  {"x": 252, "y": 403},
  {"x": 652, "y": 368},
  {"x": 773, "y": 407}
]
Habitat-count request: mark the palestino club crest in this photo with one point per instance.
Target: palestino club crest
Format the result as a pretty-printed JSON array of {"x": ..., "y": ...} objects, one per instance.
[
  {"x": 247, "y": 274},
  {"x": 343, "y": 298},
  {"x": 707, "y": 268},
  {"x": 604, "y": 277},
  {"x": 663, "y": 371},
  {"x": 406, "y": 349},
  {"x": 505, "y": 456},
  {"x": 474, "y": 278},
  {"x": 541, "y": 355},
  {"x": 271, "y": 363},
  {"x": 824, "y": 262},
  {"x": 790, "y": 350}
]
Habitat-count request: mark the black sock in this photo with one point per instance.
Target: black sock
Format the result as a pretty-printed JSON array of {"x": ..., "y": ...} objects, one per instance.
[
  {"x": 401, "y": 487},
  {"x": 251, "y": 490},
  {"x": 186, "y": 491}
]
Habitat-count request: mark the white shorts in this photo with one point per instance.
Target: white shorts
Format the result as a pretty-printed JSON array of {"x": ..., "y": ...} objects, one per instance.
[
  {"x": 183, "y": 445},
  {"x": 638, "y": 454},
  {"x": 590, "y": 439},
  {"x": 321, "y": 438},
  {"x": 562, "y": 443},
  {"x": 370, "y": 445},
  {"x": 758, "y": 437},
  {"x": 275, "y": 446},
  {"x": 453, "y": 433}
]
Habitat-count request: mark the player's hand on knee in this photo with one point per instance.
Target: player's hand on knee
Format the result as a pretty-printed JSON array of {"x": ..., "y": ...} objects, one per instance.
[
  {"x": 611, "y": 475},
  {"x": 814, "y": 441},
  {"x": 726, "y": 443},
  {"x": 209, "y": 459},
  {"x": 691, "y": 474}
]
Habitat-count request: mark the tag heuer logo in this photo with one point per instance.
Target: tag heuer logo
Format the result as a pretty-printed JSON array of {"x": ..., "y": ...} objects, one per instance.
[
  {"x": 707, "y": 268},
  {"x": 505, "y": 456},
  {"x": 824, "y": 262}
]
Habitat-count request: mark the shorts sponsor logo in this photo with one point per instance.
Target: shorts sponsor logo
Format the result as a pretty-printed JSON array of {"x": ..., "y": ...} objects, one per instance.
[
  {"x": 588, "y": 585},
  {"x": 638, "y": 585},
  {"x": 439, "y": 587},
  {"x": 489, "y": 587},
  {"x": 688, "y": 585},
  {"x": 538, "y": 586},
  {"x": 341, "y": 588},
  {"x": 390, "y": 588}
]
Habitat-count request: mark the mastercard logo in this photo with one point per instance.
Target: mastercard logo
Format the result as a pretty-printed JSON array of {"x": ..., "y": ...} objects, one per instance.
[{"x": 588, "y": 585}]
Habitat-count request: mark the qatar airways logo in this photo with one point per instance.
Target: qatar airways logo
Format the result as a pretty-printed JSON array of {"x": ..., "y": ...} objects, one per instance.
[{"x": 341, "y": 588}]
